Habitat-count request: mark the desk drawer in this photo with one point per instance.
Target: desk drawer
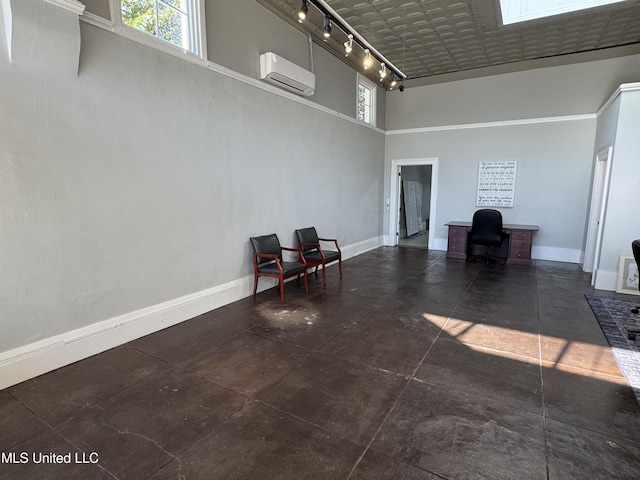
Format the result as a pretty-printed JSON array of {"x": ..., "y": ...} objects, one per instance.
[
  {"x": 516, "y": 245},
  {"x": 520, "y": 254},
  {"x": 521, "y": 235},
  {"x": 456, "y": 247},
  {"x": 458, "y": 240},
  {"x": 458, "y": 232}
]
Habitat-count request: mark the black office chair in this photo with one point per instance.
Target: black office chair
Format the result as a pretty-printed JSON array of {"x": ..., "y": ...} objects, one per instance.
[
  {"x": 635, "y": 247},
  {"x": 486, "y": 230},
  {"x": 268, "y": 262},
  {"x": 314, "y": 254}
]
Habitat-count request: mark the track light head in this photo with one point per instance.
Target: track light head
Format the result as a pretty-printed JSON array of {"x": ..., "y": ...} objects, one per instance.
[
  {"x": 368, "y": 59},
  {"x": 392, "y": 81},
  {"x": 302, "y": 13},
  {"x": 383, "y": 71},
  {"x": 348, "y": 45},
  {"x": 327, "y": 27}
]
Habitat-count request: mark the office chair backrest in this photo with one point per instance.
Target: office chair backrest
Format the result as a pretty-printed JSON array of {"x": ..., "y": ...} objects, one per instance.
[
  {"x": 635, "y": 246},
  {"x": 266, "y": 244},
  {"x": 307, "y": 235},
  {"x": 486, "y": 226}
]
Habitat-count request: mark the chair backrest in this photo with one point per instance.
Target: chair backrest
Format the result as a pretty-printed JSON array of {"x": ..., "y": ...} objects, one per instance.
[
  {"x": 486, "y": 226},
  {"x": 266, "y": 244},
  {"x": 307, "y": 235},
  {"x": 635, "y": 246}
]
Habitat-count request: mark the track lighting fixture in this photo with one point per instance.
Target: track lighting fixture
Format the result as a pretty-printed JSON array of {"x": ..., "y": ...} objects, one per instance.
[
  {"x": 382, "y": 71},
  {"x": 348, "y": 45},
  {"x": 327, "y": 27},
  {"x": 302, "y": 13},
  {"x": 368, "y": 59},
  {"x": 333, "y": 19}
]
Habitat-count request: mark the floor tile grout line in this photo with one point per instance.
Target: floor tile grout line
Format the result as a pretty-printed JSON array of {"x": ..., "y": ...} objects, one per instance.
[
  {"x": 541, "y": 366},
  {"x": 553, "y": 421},
  {"x": 633, "y": 441},
  {"x": 61, "y": 435},
  {"x": 409, "y": 380}
]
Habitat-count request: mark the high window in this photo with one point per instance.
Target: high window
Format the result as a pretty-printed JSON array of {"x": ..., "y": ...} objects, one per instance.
[
  {"x": 173, "y": 21},
  {"x": 366, "y": 105}
]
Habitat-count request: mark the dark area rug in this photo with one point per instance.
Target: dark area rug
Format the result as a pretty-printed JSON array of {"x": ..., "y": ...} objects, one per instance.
[{"x": 616, "y": 318}]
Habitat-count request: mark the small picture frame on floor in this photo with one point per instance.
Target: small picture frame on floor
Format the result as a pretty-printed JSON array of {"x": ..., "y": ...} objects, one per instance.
[{"x": 627, "y": 275}]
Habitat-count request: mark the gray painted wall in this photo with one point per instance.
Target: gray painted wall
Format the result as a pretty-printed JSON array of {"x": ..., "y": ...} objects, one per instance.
[
  {"x": 552, "y": 184},
  {"x": 98, "y": 7},
  {"x": 546, "y": 92},
  {"x": 555, "y": 160},
  {"x": 238, "y": 32},
  {"x": 262, "y": 31},
  {"x": 141, "y": 180}
]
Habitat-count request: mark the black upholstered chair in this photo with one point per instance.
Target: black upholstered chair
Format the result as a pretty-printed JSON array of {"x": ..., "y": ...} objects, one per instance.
[
  {"x": 486, "y": 230},
  {"x": 635, "y": 247},
  {"x": 268, "y": 262},
  {"x": 314, "y": 254}
]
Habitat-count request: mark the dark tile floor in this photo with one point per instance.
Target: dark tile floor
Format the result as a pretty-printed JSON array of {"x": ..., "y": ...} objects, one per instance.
[{"x": 411, "y": 367}]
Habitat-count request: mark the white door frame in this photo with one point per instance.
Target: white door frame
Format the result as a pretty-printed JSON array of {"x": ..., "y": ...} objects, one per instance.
[
  {"x": 394, "y": 190},
  {"x": 599, "y": 193}
]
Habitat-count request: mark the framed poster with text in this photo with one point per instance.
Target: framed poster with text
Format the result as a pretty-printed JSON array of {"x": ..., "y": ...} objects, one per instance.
[{"x": 496, "y": 184}]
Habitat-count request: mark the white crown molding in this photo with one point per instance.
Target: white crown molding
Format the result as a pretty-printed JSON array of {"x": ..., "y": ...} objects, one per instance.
[
  {"x": 625, "y": 87},
  {"x": 73, "y": 6},
  {"x": 283, "y": 93},
  {"x": 97, "y": 21},
  {"x": 104, "y": 24},
  {"x": 503, "y": 123}
]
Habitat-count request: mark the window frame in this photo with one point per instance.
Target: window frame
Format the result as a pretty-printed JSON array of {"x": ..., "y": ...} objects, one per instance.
[
  {"x": 196, "y": 33},
  {"x": 370, "y": 85}
]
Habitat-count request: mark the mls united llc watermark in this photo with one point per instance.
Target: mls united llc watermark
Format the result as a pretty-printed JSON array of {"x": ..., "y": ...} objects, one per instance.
[{"x": 39, "y": 457}]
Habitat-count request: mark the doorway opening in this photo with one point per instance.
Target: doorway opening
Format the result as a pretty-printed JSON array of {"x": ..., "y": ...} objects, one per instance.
[
  {"x": 597, "y": 210},
  {"x": 413, "y": 196}
]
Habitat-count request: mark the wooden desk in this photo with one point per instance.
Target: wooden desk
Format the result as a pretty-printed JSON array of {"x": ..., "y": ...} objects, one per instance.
[{"x": 518, "y": 242}]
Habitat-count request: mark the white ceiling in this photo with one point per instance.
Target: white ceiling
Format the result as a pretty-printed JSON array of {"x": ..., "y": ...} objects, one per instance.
[{"x": 427, "y": 38}]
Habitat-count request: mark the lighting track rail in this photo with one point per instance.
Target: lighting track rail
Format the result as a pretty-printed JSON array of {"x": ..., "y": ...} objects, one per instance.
[{"x": 337, "y": 21}]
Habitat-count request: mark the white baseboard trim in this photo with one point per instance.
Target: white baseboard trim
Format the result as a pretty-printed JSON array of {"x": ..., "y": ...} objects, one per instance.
[
  {"x": 606, "y": 280},
  {"x": 29, "y": 361},
  {"x": 570, "y": 255},
  {"x": 359, "y": 248},
  {"x": 554, "y": 254}
]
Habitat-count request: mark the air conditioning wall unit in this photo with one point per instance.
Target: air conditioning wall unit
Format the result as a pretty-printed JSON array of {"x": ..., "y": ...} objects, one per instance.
[{"x": 285, "y": 74}]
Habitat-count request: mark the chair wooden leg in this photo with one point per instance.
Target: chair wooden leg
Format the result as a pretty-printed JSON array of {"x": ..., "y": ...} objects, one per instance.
[
  {"x": 306, "y": 283},
  {"x": 255, "y": 285},
  {"x": 340, "y": 266},
  {"x": 281, "y": 285},
  {"x": 316, "y": 270},
  {"x": 324, "y": 275}
]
